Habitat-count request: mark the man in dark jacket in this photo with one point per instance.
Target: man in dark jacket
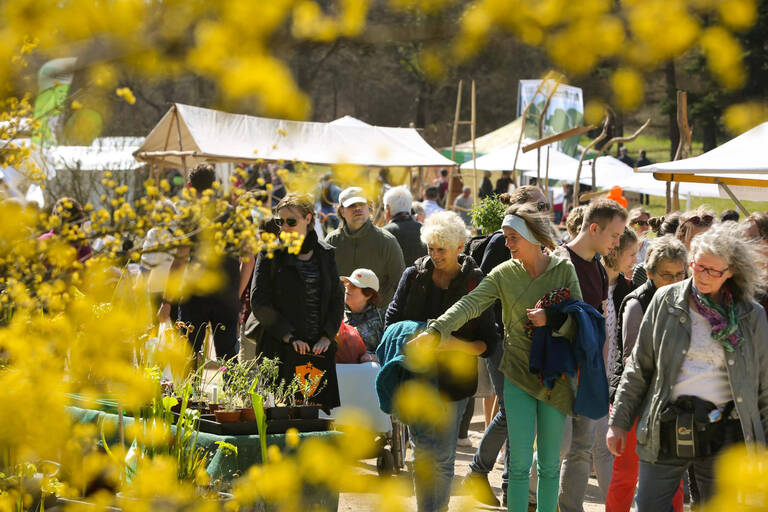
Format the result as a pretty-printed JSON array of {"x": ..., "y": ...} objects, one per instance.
[
  {"x": 219, "y": 308},
  {"x": 486, "y": 189},
  {"x": 397, "y": 208}
]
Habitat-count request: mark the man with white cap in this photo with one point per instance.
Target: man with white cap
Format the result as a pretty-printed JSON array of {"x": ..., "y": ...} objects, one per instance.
[{"x": 360, "y": 244}]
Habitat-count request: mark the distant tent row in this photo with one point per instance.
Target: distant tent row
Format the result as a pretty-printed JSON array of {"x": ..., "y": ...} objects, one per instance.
[{"x": 189, "y": 135}]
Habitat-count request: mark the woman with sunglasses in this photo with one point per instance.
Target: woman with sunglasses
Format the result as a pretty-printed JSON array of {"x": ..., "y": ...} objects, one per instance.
[
  {"x": 698, "y": 375},
  {"x": 693, "y": 223},
  {"x": 639, "y": 220},
  {"x": 666, "y": 261},
  {"x": 299, "y": 300}
]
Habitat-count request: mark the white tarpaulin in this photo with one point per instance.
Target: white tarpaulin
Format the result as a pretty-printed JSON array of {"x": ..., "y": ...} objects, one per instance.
[
  {"x": 743, "y": 154},
  {"x": 205, "y": 135},
  {"x": 741, "y": 158},
  {"x": 561, "y": 166},
  {"x": 611, "y": 171},
  {"x": 104, "y": 154}
]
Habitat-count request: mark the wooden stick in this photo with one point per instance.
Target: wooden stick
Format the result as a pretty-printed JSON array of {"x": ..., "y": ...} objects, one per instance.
[
  {"x": 614, "y": 140},
  {"x": 733, "y": 197},
  {"x": 541, "y": 129},
  {"x": 592, "y": 144},
  {"x": 565, "y": 134},
  {"x": 522, "y": 128},
  {"x": 474, "y": 150},
  {"x": 456, "y": 124}
]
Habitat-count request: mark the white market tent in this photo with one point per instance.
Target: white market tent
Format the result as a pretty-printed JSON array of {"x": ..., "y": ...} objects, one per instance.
[
  {"x": 609, "y": 171},
  {"x": 739, "y": 166},
  {"x": 503, "y": 159},
  {"x": 104, "y": 154},
  {"x": 189, "y": 135}
]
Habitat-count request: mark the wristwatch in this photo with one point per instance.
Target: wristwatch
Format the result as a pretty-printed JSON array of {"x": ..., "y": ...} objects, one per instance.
[{"x": 291, "y": 339}]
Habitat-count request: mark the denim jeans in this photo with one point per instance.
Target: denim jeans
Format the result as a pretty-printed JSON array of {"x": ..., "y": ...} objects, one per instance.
[
  {"x": 496, "y": 433},
  {"x": 577, "y": 464},
  {"x": 434, "y": 457},
  {"x": 658, "y": 481}
]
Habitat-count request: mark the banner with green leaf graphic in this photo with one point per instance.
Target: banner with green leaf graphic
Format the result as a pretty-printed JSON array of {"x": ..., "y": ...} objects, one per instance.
[{"x": 566, "y": 110}]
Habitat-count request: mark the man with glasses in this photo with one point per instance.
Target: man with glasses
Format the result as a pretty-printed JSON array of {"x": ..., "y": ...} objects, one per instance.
[{"x": 360, "y": 244}]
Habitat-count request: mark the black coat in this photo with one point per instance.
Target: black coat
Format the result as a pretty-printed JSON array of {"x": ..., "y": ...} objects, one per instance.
[
  {"x": 277, "y": 300},
  {"x": 408, "y": 234},
  {"x": 415, "y": 300},
  {"x": 643, "y": 294}
]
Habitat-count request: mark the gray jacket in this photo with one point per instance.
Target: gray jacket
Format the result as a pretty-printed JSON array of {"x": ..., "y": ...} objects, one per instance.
[{"x": 657, "y": 358}]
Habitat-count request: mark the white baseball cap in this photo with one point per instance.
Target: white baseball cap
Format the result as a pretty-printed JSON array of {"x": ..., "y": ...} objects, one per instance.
[
  {"x": 350, "y": 196},
  {"x": 363, "y": 278}
]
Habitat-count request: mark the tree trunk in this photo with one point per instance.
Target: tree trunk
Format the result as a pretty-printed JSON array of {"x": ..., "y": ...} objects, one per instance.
[{"x": 674, "y": 133}]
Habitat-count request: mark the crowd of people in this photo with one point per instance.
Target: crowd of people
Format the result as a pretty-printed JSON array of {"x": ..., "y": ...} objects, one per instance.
[{"x": 598, "y": 342}]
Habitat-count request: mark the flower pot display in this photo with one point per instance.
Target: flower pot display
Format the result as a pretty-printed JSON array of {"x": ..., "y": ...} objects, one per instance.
[
  {"x": 223, "y": 416},
  {"x": 278, "y": 413},
  {"x": 247, "y": 414},
  {"x": 306, "y": 412}
]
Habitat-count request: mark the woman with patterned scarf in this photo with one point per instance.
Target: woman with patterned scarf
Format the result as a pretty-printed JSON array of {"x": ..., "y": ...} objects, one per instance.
[{"x": 698, "y": 375}]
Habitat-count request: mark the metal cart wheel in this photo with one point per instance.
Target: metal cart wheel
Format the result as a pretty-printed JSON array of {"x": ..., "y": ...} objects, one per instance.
[{"x": 385, "y": 463}]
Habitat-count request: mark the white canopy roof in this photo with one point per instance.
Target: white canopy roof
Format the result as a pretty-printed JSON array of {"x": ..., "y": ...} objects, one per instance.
[
  {"x": 503, "y": 159},
  {"x": 609, "y": 171},
  {"x": 212, "y": 136},
  {"x": 743, "y": 154},
  {"x": 104, "y": 154}
]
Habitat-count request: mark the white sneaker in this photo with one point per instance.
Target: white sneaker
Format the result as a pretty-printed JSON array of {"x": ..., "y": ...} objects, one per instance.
[{"x": 464, "y": 441}]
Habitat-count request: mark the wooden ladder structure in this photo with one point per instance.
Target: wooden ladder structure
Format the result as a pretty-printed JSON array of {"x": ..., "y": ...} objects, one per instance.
[{"x": 472, "y": 125}]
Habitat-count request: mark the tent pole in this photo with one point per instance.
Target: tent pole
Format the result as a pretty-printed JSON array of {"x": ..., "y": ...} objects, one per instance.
[
  {"x": 522, "y": 129},
  {"x": 474, "y": 150},
  {"x": 541, "y": 130},
  {"x": 603, "y": 134},
  {"x": 167, "y": 139},
  {"x": 668, "y": 197},
  {"x": 546, "y": 176},
  {"x": 456, "y": 125},
  {"x": 181, "y": 146},
  {"x": 733, "y": 197}
]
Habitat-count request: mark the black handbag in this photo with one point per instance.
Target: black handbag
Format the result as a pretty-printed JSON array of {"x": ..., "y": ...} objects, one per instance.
[{"x": 687, "y": 432}]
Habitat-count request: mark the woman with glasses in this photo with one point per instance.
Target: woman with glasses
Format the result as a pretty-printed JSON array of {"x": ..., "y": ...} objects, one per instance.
[
  {"x": 697, "y": 377},
  {"x": 693, "y": 223},
  {"x": 666, "y": 262},
  {"x": 661, "y": 226},
  {"x": 299, "y": 300}
]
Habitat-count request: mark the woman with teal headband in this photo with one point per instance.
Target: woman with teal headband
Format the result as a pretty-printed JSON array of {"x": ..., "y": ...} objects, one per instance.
[
  {"x": 712, "y": 389},
  {"x": 533, "y": 410}
]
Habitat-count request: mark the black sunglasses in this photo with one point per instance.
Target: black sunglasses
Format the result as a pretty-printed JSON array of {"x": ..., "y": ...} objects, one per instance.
[
  {"x": 290, "y": 221},
  {"x": 706, "y": 220},
  {"x": 640, "y": 222},
  {"x": 542, "y": 206}
]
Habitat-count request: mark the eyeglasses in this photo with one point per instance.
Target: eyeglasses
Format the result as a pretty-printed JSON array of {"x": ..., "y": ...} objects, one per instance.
[
  {"x": 639, "y": 222},
  {"x": 706, "y": 220},
  {"x": 542, "y": 206},
  {"x": 711, "y": 271},
  {"x": 290, "y": 221},
  {"x": 673, "y": 277}
]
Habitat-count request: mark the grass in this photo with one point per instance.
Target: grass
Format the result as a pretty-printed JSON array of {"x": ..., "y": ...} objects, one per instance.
[{"x": 657, "y": 148}]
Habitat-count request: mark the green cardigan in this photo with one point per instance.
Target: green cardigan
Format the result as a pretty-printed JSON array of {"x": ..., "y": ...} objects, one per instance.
[{"x": 510, "y": 283}]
